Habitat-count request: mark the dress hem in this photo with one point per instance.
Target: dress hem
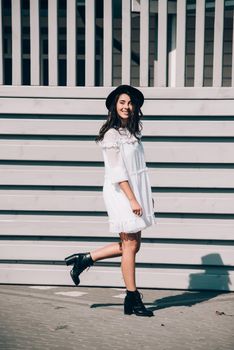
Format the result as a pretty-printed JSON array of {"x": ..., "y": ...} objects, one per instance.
[{"x": 130, "y": 226}]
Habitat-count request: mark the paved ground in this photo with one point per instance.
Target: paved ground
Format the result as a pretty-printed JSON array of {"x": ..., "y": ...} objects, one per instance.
[{"x": 37, "y": 317}]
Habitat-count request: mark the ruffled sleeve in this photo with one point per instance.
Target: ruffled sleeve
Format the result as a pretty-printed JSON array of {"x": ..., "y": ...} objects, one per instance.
[{"x": 111, "y": 147}]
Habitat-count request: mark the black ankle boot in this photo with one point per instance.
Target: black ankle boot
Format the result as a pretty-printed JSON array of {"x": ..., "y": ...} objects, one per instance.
[
  {"x": 134, "y": 305},
  {"x": 81, "y": 262}
]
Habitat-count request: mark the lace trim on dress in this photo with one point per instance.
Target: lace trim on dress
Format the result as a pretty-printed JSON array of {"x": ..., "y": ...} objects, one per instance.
[
  {"x": 123, "y": 137},
  {"x": 104, "y": 144},
  {"x": 127, "y": 137},
  {"x": 131, "y": 139}
]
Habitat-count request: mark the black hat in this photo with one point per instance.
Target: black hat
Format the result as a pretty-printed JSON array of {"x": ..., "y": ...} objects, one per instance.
[{"x": 125, "y": 89}]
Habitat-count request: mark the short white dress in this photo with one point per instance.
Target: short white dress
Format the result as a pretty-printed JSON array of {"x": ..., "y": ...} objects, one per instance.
[{"x": 124, "y": 159}]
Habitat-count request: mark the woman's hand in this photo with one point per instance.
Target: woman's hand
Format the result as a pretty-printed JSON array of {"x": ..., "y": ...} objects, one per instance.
[
  {"x": 136, "y": 208},
  {"x": 126, "y": 188}
]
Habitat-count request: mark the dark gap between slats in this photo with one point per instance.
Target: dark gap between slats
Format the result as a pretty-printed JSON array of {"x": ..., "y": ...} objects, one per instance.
[
  {"x": 104, "y": 117},
  {"x": 100, "y": 188},
  {"x": 51, "y": 188},
  {"x": 104, "y": 239},
  {"x": 213, "y": 269},
  {"x": 52, "y": 117},
  {"x": 53, "y": 213},
  {"x": 186, "y": 139},
  {"x": 152, "y": 165},
  {"x": 102, "y": 213},
  {"x": 51, "y": 163}
]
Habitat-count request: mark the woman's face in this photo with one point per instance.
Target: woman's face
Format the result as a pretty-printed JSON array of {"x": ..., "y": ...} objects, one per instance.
[{"x": 124, "y": 106}]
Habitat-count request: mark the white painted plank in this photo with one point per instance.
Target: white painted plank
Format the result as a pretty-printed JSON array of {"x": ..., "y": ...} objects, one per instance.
[
  {"x": 34, "y": 42},
  {"x": 215, "y": 203},
  {"x": 180, "y": 42},
  {"x": 179, "y": 152},
  {"x": 71, "y": 43},
  {"x": 151, "y": 107},
  {"x": 66, "y": 127},
  {"x": 199, "y": 43},
  {"x": 186, "y": 254},
  {"x": 188, "y": 128},
  {"x": 53, "y": 41},
  {"x": 54, "y": 150},
  {"x": 91, "y": 201},
  {"x": 192, "y": 178},
  {"x": 111, "y": 276},
  {"x": 94, "y": 176},
  {"x": 144, "y": 43},
  {"x": 107, "y": 43},
  {"x": 90, "y": 43},
  {"x": 50, "y": 127},
  {"x": 1, "y": 45},
  {"x": 44, "y": 225},
  {"x": 188, "y": 107},
  {"x": 189, "y": 228},
  {"x": 51, "y": 176},
  {"x": 162, "y": 43},
  {"x": 51, "y": 200},
  {"x": 95, "y": 226},
  {"x": 168, "y": 93},
  {"x": 218, "y": 43},
  {"x": 126, "y": 42},
  {"x": 16, "y": 43}
]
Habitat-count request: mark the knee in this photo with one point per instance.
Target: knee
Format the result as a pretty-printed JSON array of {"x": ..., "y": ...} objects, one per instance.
[
  {"x": 130, "y": 242},
  {"x": 131, "y": 246}
]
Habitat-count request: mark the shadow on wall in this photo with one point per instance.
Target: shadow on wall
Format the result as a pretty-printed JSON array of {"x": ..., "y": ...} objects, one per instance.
[
  {"x": 208, "y": 284},
  {"x": 209, "y": 279}
]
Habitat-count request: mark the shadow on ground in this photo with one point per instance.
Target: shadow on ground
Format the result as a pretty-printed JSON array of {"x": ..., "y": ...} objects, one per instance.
[{"x": 215, "y": 277}]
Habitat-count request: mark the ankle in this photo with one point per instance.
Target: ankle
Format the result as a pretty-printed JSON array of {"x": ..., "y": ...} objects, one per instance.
[
  {"x": 131, "y": 291},
  {"x": 91, "y": 257}
]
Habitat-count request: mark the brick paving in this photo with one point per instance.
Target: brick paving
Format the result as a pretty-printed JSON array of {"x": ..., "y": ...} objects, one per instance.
[{"x": 34, "y": 317}]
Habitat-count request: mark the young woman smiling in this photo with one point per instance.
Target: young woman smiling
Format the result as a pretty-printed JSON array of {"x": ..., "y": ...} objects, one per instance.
[{"x": 126, "y": 192}]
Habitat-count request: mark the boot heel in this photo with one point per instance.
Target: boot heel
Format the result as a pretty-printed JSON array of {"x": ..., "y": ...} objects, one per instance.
[
  {"x": 128, "y": 309},
  {"x": 69, "y": 260},
  {"x": 133, "y": 304}
]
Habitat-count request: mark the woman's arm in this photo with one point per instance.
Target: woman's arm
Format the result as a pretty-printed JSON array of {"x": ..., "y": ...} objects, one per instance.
[{"x": 136, "y": 208}]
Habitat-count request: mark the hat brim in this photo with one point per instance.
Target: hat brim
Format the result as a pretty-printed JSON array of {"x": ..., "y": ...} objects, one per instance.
[{"x": 128, "y": 89}]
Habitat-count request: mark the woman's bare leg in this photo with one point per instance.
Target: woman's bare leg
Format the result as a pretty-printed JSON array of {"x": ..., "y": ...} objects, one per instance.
[
  {"x": 108, "y": 251},
  {"x": 130, "y": 246}
]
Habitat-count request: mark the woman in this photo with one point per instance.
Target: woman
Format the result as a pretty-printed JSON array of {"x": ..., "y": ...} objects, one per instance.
[{"x": 126, "y": 191}]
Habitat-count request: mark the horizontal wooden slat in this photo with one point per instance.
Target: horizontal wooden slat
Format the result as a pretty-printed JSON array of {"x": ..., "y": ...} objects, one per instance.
[
  {"x": 161, "y": 128},
  {"x": 102, "y": 92},
  {"x": 211, "y": 255},
  {"x": 190, "y": 152},
  {"x": 51, "y": 176},
  {"x": 43, "y": 225},
  {"x": 111, "y": 276},
  {"x": 94, "y": 226},
  {"x": 69, "y": 106},
  {"x": 94, "y": 176},
  {"x": 215, "y": 203}
]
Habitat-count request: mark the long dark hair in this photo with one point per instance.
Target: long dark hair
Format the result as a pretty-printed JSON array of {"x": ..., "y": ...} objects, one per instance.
[{"x": 133, "y": 124}]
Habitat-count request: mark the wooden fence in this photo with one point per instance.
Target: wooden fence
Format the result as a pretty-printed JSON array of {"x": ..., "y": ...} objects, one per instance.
[
  {"x": 51, "y": 177},
  {"x": 146, "y": 43}
]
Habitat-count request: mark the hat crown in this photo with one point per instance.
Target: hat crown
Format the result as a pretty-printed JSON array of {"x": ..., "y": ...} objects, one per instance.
[{"x": 125, "y": 89}]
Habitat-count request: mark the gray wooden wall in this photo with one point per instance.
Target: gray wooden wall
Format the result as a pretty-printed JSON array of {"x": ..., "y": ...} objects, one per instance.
[{"x": 51, "y": 177}]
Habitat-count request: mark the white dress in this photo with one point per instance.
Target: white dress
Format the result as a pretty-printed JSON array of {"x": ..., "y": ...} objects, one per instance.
[{"x": 124, "y": 160}]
